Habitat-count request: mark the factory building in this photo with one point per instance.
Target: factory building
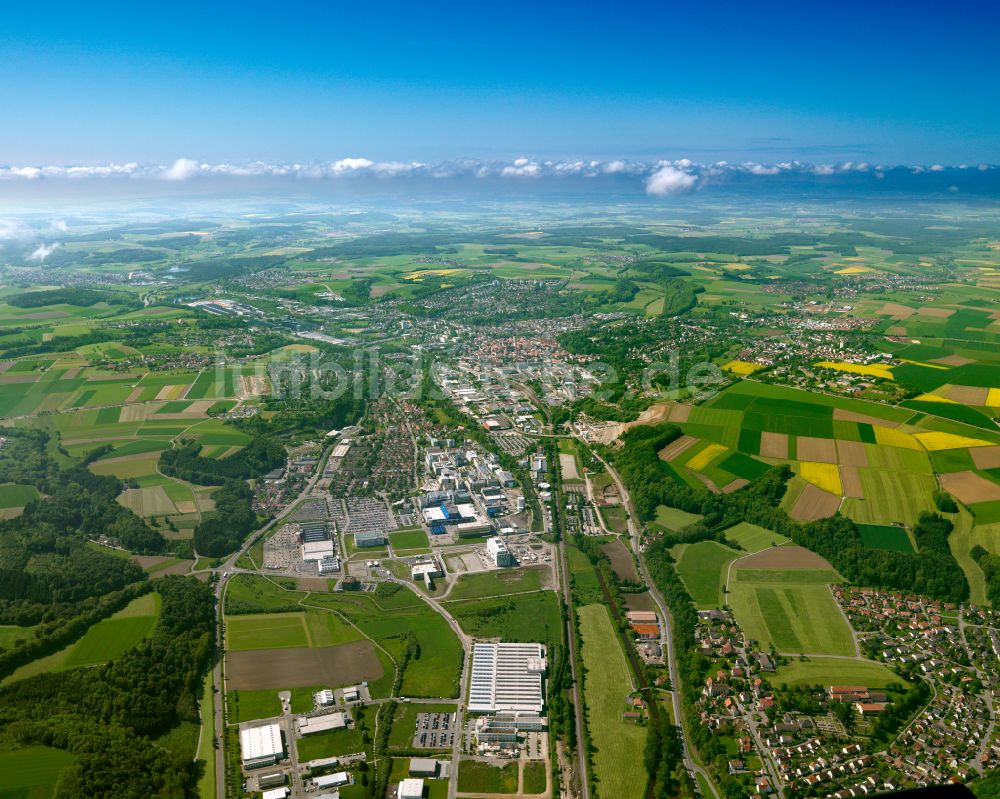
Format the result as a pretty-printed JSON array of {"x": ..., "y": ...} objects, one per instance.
[
  {"x": 261, "y": 746},
  {"x": 331, "y": 721},
  {"x": 507, "y": 727},
  {"x": 496, "y": 549},
  {"x": 370, "y": 538},
  {"x": 423, "y": 767},
  {"x": 507, "y": 678}
]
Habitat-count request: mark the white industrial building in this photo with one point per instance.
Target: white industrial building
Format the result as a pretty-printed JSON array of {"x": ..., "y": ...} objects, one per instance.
[
  {"x": 410, "y": 788},
  {"x": 324, "y": 697},
  {"x": 261, "y": 746},
  {"x": 275, "y": 793},
  {"x": 334, "y": 780},
  {"x": 496, "y": 549},
  {"x": 331, "y": 721},
  {"x": 507, "y": 677},
  {"x": 317, "y": 550}
]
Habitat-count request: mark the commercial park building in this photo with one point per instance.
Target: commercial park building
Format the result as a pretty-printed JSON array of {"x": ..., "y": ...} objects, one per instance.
[
  {"x": 261, "y": 746},
  {"x": 507, "y": 678}
]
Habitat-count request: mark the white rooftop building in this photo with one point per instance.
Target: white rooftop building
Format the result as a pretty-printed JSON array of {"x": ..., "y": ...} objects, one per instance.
[
  {"x": 498, "y": 552},
  {"x": 410, "y": 788},
  {"x": 261, "y": 746},
  {"x": 507, "y": 677}
]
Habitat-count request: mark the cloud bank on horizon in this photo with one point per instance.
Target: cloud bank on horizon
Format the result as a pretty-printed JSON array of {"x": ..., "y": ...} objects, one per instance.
[{"x": 660, "y": 178}]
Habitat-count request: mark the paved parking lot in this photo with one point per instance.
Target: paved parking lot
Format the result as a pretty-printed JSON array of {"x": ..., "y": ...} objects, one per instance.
[{"x": 434, "y": 731}]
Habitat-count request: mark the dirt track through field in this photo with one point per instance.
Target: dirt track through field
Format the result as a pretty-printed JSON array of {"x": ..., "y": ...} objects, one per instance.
[{"x": 299, "y": 667}]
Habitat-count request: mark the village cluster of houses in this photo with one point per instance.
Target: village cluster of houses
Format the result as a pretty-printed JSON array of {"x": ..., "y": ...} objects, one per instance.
[
  {"x": 956, "y": 650},
  {"x": 784, "y": 751}
]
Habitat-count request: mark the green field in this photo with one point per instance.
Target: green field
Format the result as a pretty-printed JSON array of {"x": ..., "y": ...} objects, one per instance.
[
  {"x": 9, "y": 633},
  {"x": 111, "y": 638},
  {"x": 388, "y": 621},
  {"x": 881, "y": 536},
  {"x": 618, "y": 745},
  {"x": 499, "y": 582},
  {"x": 476, "y": 777},
  {"x": 16, "y": 496},
  {"x": 674, "y": 519},
  {"x": 702, "y": 567},
  {"x": 265, "y": 631},
  {"x": 535, "y": 777},
  {"x": 522, "y": 617},
  {"x": 753, "y": 538},
  {"x": 408, "y": 539},
  {"x": 331, "y": 743},
  {"x": 31, "y": 773},
  {"x": 794, "y": 614},
  {"x": 828, "y": 671}
]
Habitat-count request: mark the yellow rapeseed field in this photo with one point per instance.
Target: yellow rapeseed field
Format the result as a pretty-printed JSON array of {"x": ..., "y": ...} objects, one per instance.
[
  {"x": 934, "y": 441},
  {"x": 822, "y": 475},
  {"x": 869, "y": 370},
  {"x": 703, "y": 458},
  {"x": 890, "y": 437},
  {"x": 854, "y": 270},
  {"x": 933, "y": 398},
  {"x": 993, "y": 398},
  {"x": 741, "y": 367}
]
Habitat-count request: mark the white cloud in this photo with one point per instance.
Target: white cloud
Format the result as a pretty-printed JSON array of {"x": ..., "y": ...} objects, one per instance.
[
  {"x": 43, "y": 251},
  {"x": 345, "y": 165},
  {"x": 669, "y": 180},
  {"x": 59, "y": 226},
  {"x": 181, "y": 169}
]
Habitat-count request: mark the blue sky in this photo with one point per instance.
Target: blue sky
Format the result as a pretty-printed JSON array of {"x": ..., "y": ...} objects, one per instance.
[{"x": 887, "y": 82}]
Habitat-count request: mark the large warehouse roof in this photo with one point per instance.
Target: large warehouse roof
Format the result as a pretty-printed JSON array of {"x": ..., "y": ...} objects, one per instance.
[
  {"x": 507, "y": 677},
  {"x": 258, "y": 743}
]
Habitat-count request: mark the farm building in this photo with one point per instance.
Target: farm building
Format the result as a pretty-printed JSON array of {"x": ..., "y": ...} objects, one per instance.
[
  {"x": 507, "y": 677},
  {"x": 370, "y": 538},
  {"x": 498, "y": 552},
  {"x": 261, "y": 746},
  {"x": 410, "y": 788}
]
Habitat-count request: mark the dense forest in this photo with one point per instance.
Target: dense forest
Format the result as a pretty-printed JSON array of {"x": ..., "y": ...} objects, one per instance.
[
  {"x": 222, "y": 530},
  {"x": 257, "y": 458},
  {"x": 109, "y": 717},
  {"x": 70, "y": 296},
  {"x": 932, "y": 571}
]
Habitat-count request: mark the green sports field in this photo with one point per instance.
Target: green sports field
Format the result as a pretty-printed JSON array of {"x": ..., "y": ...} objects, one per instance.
[
  {"x": 793, "y": 616},
  {"x": 618, "y": 744}
]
